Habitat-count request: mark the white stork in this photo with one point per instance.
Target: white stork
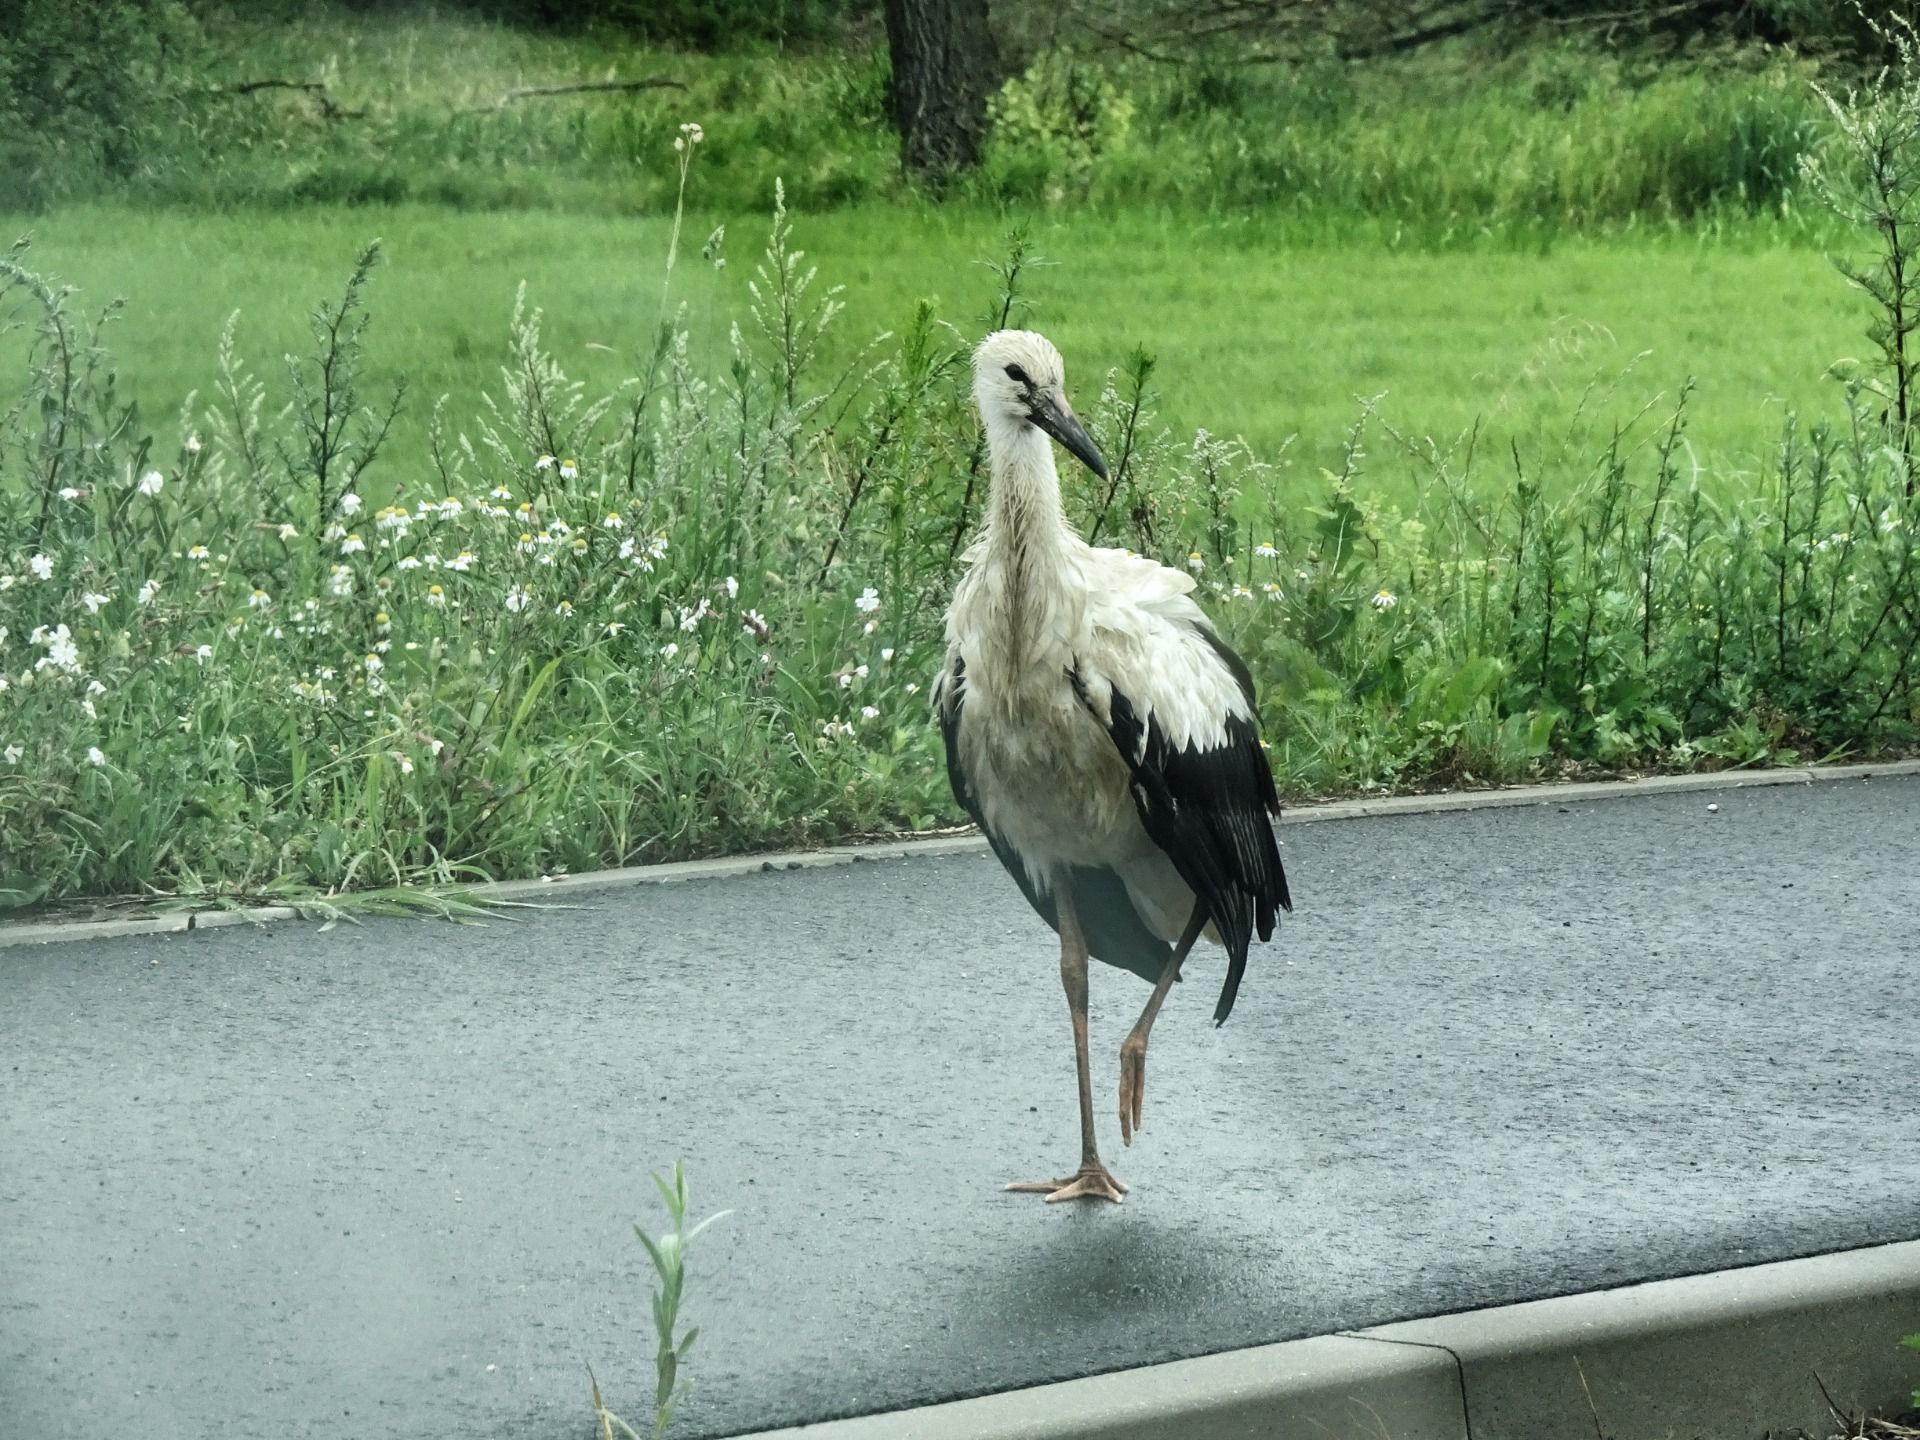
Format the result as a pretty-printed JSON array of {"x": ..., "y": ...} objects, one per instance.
[{"x": 1102, "y": 736}]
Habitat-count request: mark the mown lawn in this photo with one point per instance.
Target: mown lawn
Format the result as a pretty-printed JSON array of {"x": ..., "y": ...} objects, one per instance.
[{"x": 1260, "y": 334}]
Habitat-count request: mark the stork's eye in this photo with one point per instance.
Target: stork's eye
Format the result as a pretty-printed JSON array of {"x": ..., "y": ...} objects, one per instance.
[{"x": 1017, "y": 375}]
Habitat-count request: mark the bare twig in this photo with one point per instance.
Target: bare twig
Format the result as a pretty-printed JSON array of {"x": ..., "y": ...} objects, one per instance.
[{"x": 584, "y": 87}]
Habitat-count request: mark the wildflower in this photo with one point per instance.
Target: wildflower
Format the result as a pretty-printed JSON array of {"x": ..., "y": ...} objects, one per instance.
[
  {"x": 869, "y": 712},
  {"x": 657, "y": 547},
  {"x": 563, "y": 609},
  {"x": 151, "y": 482},
  {"x": 340, "y": 581},
  {"x": 69, "y": 494},
  {"x": 86, "y": 708},
  {"x": 835, "y": 730},
  {"x": 912, "y": 689},
  {"x": 409, "y": 562},
  {"x": 203, "y": 653},
  {"x": 373, "y": 663},
  {"x": 13, "y": 754},
  {"x": 500, "y": 492},
  {"x": 93, "y": 601},
  {"x": 259, "y": 599},
  {"x": 1241, "y": 592},
  {"x": 690, "y": 619},
  {"x": 94, "y": 687},
  {"x": 1271, "y": 590},
  {"x": 350, "y": 503},
  {"x": 1195, "y": 563},
  {"x": 406, "y": 765},
  {"x": 1266, "y": 551},
  {"x": 579, "y": 545},
  {"x": 525, "y": 545},
  {"x": 845, "y": 678},
  {"x": 1384, "y": 600},
  {"x": 333, "y": 532},
  {"x": 886, "y": 657},
  {"x": 94, "y": 757},
  {"x": 41, "y": 566},
  {"x": 614, "y": 627},
  {"x": 353, "y": 544},
  {"x": 198, "y": 552},
  {"x": 669, "y": 650},
  {"x": 558, "y": 530},
  {"x": 518, "y": 598},
  {"x": 693, "y": 133},
  {"x": 613, "y": 520},
  {"x": 568, "y": 469},
  {"x": 193, "y": 444},
  {"x": 391, "y": 517},
  {"x": 755, "y": 624},
  {"x": 868, "y": 628},
  {"x": 287, "y": 532},
  {"x": 868, "y": 602},
  {"x": 62, "y": 653},
  {"x": 462, "y": 562},
  {"x": 7, "y": 582},
  {"x": 545, "y": 462}
]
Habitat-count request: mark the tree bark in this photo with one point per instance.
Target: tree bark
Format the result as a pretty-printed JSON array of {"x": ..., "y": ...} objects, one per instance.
[{"x": 943, "y": 68}]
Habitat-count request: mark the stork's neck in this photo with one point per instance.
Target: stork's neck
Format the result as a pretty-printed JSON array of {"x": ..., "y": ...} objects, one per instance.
[
  {"x": 1029, "y": 543},
  {"x": 1024, "y": 518}
]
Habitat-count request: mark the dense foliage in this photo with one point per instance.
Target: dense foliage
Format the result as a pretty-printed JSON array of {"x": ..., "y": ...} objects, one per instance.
[{"x": 699, "y": 613}]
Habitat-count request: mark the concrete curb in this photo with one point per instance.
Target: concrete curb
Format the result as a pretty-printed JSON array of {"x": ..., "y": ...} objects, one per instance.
[
  {"x": 551, "y": 890},
  {"x": 1724, "y": 1356}
]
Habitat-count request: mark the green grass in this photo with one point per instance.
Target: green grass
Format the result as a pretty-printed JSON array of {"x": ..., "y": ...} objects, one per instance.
[{"x": 1256, "y": 335}]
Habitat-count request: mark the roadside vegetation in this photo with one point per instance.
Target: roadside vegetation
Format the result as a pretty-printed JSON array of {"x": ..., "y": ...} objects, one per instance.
[{"x": 683, "y": 595}]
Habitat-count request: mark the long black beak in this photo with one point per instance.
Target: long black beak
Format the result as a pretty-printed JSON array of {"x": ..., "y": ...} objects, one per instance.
[{"x": 1053, "y": 415}]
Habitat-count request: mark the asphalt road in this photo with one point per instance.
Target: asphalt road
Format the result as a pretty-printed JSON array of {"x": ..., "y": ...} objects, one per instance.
[{"x": 379, "y": 1181}]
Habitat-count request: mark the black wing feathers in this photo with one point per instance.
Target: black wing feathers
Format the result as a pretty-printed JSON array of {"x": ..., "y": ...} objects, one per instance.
[
  {"x": 1113, "y": 929},
  {"x": 1208, "y": 810}
]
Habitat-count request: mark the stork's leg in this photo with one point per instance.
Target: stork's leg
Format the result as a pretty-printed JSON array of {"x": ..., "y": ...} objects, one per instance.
[
  {"x": 1133, "y": 1050},
  {"x": 1092, "y": 1180}
]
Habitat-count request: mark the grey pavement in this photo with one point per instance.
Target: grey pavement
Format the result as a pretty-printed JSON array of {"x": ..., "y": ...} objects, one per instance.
[{"x": 379, "y": 1180}]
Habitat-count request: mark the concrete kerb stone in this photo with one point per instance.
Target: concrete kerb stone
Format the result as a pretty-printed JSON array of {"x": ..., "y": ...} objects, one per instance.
[
  {"x": 1733, "y": 1353},
  {"x": 557, "y": 889},
  {"x": 1332, "y": 1387},
  {"x": 1721, "y": 1356}
]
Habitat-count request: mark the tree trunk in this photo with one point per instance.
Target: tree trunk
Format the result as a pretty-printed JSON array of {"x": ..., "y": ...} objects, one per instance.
[{"x": 943, "y": 66}]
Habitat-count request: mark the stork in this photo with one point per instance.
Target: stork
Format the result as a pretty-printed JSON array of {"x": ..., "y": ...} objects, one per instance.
[{"x": 1102, "y": 736}]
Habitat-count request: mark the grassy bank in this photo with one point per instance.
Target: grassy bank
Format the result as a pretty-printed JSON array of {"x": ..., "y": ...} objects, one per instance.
[
  {"x": 1258, "y": 333},
  {"x": 697, "y": 611}
]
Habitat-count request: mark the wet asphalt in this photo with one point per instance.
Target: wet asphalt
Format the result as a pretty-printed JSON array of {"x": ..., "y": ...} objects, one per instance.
[{"x": 380, "y": 1180}]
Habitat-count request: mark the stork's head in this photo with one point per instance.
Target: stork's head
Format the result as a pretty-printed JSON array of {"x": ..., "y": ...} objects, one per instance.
[{"x": 1018, "y": 382}]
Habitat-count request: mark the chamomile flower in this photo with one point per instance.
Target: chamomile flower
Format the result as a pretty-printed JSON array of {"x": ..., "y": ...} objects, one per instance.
[
  {"x": 462, "y": 562},
  {"x": 150, "y": 483},
  {"x": 614, "y": 627},
  {"x": 500, "y": 492},
  {"x": 1196, "y": 562},
  {"x": 563, "y": 609},
  {"x": 525, "y": 545},
  {"x": 409, "y": 562},
  {"x": 912, "y": 688},
  {"x": 518, "y": 598},
  {"x": 1384, "y": 600},
  {"x": 612, "y": 520},
  {"x": 450, "y": 509},
  {"x": 353, "y": 544},
  {"x": 1266, "y": 551},
  {"x": 372, "y": 663},
  {"x": 545, "y": 462},
  {"x": 1271, "y": 591},
  {"x": 568, "y": 469},
  {"x": 340, "y": 582},
  {"x": 259, "y": 599}
]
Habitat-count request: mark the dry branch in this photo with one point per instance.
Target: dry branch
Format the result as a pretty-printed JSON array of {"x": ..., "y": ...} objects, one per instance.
[{"x": 535, "y": 92}]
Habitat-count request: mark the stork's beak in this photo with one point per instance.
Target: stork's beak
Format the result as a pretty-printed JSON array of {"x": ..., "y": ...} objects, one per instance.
[{"x": 1053, "y": 415}]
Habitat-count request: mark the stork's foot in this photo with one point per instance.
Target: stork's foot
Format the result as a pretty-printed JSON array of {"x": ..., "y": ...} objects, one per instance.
[
  {"x": 1133, "y": 1085},
  {"x": 1092, "y": 1181}
]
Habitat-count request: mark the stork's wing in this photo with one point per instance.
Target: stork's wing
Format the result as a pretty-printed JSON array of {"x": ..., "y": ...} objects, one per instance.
[
  {"x": 1179, "y": 705},
  {"x": 1113, "y": 929}
]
